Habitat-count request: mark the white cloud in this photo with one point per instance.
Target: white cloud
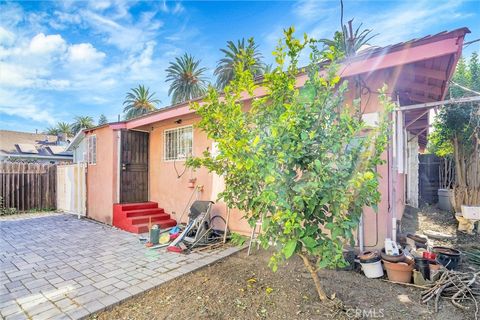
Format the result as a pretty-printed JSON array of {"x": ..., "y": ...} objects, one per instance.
[
  {"x": 311, "y": 10},
  {"x": 84, "y": 53},
  {"x": 15, "y": 103},
  {"x": 408, "y": 20},
  {"x": 13, "y": 75},
  {"x": 177, "y": 8},
  {"x": 6, "y": 37},
  {"x": 17, "y": 76},
  {"x": 11, "y": 14},
  {"x": 99, "y": 5},
  {"x": 47, "y": 62},
  {"x": 41, "y": 44},
  {"x": 141, "y": 62},
  {"x": 125, "y": 36}
]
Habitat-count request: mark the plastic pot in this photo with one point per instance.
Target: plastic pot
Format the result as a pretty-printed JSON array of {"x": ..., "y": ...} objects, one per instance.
[
  {"x": 399, "y": 271},
  {"x": 371, "y": 265},
  {"x": 448, "y": 257},
  {"x": 444, "y": 196},
  {"x": 423, "y": 266},
  {"x": 391, "y": 258}
]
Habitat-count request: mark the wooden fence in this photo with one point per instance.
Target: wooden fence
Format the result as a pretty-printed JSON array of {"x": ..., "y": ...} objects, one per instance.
[{"x": 28, "y": 186}]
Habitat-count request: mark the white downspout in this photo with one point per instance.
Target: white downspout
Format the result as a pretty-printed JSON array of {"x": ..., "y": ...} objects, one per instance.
[
  {"x": 77, "y": 189},
  {"x": 394, "y": 176},
  {"x": 119, "y": 164},
  {"x": 361, "y": 239}
]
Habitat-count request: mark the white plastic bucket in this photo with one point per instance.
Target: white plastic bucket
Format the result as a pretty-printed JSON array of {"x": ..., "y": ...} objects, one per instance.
[{"x": 372, "y": 269}]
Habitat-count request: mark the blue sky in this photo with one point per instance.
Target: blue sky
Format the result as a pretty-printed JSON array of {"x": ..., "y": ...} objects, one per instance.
[{"x": 59, "y": 59}]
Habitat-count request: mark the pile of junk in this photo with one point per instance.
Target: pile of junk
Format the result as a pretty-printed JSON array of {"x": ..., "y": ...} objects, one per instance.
[
  {"x": 417, "y": 262},
  {"x": 202, "y": 231}
]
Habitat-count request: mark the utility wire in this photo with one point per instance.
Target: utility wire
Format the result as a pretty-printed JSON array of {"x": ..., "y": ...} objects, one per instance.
[
  {"x": 464, "y": 88},
  {"x": 470, "y": 42}
]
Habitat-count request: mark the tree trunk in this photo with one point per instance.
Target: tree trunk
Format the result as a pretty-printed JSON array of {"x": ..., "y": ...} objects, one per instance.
[{"x": 321, "y": 293}]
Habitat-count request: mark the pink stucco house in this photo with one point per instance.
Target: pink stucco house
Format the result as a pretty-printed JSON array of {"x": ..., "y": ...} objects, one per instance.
[{"x": 136, "y": 166}]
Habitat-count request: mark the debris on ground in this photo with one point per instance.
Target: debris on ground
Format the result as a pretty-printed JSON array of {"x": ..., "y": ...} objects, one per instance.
[{"x": 458, "y": 287}]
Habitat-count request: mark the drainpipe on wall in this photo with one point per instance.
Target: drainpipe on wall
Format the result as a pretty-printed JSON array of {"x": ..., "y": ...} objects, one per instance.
[
  {"x": 119, "y": 164},
  {"x": 78, "y": 190},
  {"x": 360, "y": 234},
  {"x": 394, "y": 171}
]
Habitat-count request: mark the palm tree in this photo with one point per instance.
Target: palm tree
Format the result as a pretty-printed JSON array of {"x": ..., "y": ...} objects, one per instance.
[
  {"x": 102, "y": 120},
  {"x": 267, "y": 68},
  {"x": 139, "y": 101},
  {"x": 82, "y": 122},
  {"x": 347, "y": 41},
  {"x": 187, "y": 79},
  {"x": 53, "y": 131},
  {"x": 64, "y": 128},
  {"x": 246, "y": 53}
]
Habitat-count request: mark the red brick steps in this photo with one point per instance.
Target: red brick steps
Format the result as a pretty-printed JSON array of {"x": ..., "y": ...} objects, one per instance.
[{"x": 135, "y": 217}]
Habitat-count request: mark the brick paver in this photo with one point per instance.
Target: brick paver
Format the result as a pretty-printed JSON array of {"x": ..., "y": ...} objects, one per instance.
[{"x": 60, "y": 267}]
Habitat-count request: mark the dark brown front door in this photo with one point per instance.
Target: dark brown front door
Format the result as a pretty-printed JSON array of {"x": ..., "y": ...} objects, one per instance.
[{"x": 134, "y": 167}]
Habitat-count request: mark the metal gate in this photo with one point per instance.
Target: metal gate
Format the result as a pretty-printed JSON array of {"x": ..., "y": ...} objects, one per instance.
[
  {"x": 429, "y": 181},
  {"x": 72, "y": 188},
  {"x": 134, "y": 167}
]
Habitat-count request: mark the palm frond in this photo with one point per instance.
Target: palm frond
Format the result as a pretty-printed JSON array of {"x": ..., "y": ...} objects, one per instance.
[
  {"x": 348, "y": 47},
  {"x": 139, "y": 101},
  {"x": 82, "y": 122},
  {"x": 246, "y": 53},
  {"x": 187, "y": 79}
]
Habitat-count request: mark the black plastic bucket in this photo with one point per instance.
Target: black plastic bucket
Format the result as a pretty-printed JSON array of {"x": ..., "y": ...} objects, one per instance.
[
  {"x": 423, "y": 266},
  {"x": 448, "y": 257}
]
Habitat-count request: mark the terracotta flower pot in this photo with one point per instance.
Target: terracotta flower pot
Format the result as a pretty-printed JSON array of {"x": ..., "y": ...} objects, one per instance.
[
  {"x": 399, "y": 271},
  {"x": 391, "y": 258}
]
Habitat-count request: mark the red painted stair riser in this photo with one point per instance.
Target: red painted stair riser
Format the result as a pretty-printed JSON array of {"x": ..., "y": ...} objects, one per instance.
[{"x": 135, "y": 217}]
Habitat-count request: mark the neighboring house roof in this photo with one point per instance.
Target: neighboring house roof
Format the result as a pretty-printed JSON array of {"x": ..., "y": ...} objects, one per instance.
[
  {"x": 76, "y": 140},
  {"x": 18, "y": 144}
]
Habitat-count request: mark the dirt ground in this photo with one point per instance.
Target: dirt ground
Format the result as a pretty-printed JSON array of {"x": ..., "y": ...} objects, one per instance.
[{"x": 242, "y": 287}]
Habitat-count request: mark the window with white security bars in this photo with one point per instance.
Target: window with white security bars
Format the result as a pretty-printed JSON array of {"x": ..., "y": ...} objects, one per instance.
[
  {"x": 178, "y": 143},
  {"x": 92, "y": 149}
]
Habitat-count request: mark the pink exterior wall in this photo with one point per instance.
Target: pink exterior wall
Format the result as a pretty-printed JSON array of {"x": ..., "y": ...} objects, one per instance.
[
  {"x": 102, "y": 176},
  {"x": 172, "y": 193},
  {"x": 378, "y": 226}
]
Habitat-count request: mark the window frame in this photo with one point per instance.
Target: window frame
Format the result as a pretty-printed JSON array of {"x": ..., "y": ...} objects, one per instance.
[
  {"x": 91, "y": 151},
  {"x": 165, "y": 132}
]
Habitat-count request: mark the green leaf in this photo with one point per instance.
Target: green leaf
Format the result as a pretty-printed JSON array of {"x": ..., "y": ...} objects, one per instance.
[
  {"x": 289, "y": 248},
  {"x": 309, "y": 242},
  {"x": 270, "y": 179}
]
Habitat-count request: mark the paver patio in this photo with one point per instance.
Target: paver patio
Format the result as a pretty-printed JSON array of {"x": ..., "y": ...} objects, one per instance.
[{"x": 60, "y": 267}]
